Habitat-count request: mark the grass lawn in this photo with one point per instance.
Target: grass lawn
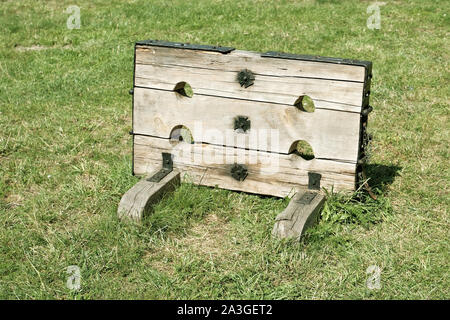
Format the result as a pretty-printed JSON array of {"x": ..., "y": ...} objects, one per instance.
[{"x": 65, "y": 158}]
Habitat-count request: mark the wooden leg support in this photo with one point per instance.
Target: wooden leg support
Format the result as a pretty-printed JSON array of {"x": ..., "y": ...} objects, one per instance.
[
  {"x": 301, "y": 213},
  {"x": 140, "y": 198}
]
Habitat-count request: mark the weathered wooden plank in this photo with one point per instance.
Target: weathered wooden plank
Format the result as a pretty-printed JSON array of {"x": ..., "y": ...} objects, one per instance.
[
  {"x": 268, "y": 173},
  {"x": 144, "y": 194},
  {"x": 238, "y": 60},
  {"x": 331, "y": 134},
  {"x": 299, "y": 215},
  {"x": 275, "y": 89}
]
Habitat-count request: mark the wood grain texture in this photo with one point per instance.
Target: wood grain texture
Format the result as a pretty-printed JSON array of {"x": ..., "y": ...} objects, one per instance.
[
  {"x": 144, "y": 194},
  {"x": 238, "y": 59},
  {"x": 293, "y": 221},
  {"x": 331, "y": 134},
  {"x": 274, "y": 89},
  {"x": 268, "y": 173},
  {"x": 332, "y": 129}
]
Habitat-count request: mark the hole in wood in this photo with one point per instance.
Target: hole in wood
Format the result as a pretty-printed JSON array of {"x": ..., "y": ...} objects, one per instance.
[
  {"x": 184, "y": 89},
  {"x": 305, "y": 103},
  {"x": 302, "y": 149},
  {"x": 181, "y": 133}
]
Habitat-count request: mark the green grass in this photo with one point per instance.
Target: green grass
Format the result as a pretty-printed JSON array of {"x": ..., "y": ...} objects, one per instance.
[{"x": 65, "y": 158}]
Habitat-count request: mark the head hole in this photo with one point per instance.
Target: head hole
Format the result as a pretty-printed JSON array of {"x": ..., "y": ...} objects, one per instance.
[
  {"x": 184, "y": 89},
  {"x": 181, "y": 133},
  {"x": 303, "y": 149},
  {"x": 305, "y": 103}
]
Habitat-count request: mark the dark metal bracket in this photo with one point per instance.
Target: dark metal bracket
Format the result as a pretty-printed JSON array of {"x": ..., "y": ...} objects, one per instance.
[
  {"x": 179, "y": 45},
  {"x": 313, "y": 185},
  {"x": 314, "y": 180},
  {"x": 364, "y": 136},
  {"x": 366, "y": 110},
  {"x": 166, "y": 169}
]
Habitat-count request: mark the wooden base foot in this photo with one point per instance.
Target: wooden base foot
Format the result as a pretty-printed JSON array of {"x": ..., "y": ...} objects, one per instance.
[
  {"x": 140, "y": 198},
  {"x": 301, "y": 213}
]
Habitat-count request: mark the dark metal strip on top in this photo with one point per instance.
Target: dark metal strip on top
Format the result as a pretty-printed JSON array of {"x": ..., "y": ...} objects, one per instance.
[
  {"x": 168, "y": 44},
  {"x": 281, "y": 55}
]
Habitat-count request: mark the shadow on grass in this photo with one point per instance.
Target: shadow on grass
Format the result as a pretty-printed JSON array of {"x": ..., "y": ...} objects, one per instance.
[
  {"x": 341, "y": 210},
  {"x": 381, "y": 176},
  {"x": 189, "y": 204}
]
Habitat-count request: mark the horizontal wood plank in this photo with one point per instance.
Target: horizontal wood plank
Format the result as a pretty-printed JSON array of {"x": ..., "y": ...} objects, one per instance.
[
  {"x": 238, "y": 59},
  {"x": 268, "y": 173},
  {"x": 341, "y": 95},
  {"x": 331, "y": 134}
]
